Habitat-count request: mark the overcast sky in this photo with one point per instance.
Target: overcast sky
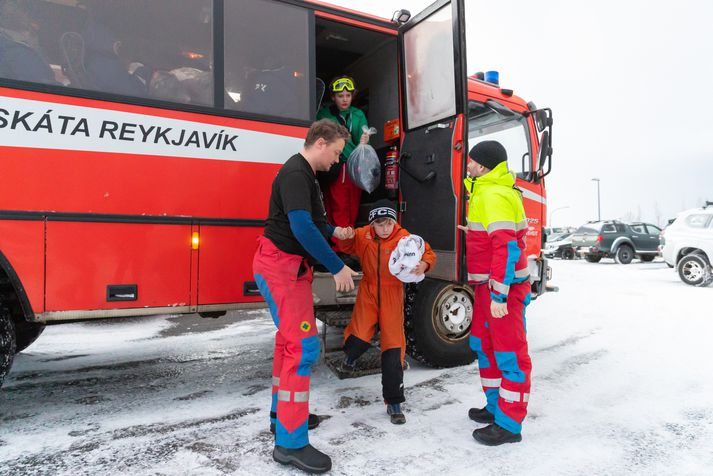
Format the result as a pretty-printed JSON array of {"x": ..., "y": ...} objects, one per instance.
[{"x": 630, "y": 83}]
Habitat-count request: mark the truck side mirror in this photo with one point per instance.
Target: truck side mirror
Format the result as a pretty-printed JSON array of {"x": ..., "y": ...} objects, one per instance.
[
  {"x": 540, "y": 120},
  {"x": 544, "y": 150}
]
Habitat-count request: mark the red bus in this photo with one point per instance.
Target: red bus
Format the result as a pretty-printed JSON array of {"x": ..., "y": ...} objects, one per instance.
[{"x": 139, "y": 140}]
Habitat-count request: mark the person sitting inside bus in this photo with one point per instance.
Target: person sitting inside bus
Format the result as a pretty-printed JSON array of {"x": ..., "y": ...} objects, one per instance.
[
  {"x": 106, "y": 70},
  {"x": 20, "y": 58}
]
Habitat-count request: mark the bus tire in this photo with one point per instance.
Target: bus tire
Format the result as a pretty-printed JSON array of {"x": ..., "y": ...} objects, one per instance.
[
  {"x": 7, "y": 343},
  {"x": 432, "y": 337},
  {"x": 26, "y": 333}
]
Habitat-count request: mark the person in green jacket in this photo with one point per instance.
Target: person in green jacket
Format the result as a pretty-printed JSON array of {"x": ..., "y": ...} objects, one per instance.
[{"x": 341, "y": 196}]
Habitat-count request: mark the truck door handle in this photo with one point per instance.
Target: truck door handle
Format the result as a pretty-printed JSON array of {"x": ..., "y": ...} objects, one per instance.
[
  {"x": 429, "y": 176},
  {"x": 442, "y": 125}
]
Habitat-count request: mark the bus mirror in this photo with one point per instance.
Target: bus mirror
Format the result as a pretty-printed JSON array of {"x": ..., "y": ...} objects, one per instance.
[{"x": 499, "y": 108}]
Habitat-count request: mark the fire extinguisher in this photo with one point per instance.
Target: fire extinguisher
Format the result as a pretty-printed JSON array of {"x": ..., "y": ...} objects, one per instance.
[{"x": 391, "y": 169}]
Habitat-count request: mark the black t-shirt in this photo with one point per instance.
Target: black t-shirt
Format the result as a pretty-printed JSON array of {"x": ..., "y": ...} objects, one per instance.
[{"x": 294, "y": 188}]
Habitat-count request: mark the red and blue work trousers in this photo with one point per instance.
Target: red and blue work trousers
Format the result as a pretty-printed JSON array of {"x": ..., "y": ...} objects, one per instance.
[
  {"x": 503, "y": 358},
  {"x": 341, "y": 200},
  {"x": 285, "y": 282}
]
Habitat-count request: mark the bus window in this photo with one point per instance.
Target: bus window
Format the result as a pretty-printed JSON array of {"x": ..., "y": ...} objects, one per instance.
[
  {"x": 160, "y": 49},
  {"x": 267, "y": 62}
]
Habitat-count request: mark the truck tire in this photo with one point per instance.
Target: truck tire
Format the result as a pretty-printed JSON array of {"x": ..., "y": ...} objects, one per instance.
[
  {"x": 592, "y": 258},
  {"x": 695, "y": 270},
  {"x": 26, "y": 333},
  {"x": 437, "y": 323},
  {"x": 568, "y": 253},
  {"x": 7, "y": 343},
  {"x": 624, "y": 254},
  {"x": 647, "y": 258}
]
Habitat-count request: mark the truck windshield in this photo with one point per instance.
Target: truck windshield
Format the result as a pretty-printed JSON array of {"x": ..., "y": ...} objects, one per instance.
[{"x": 487, "y": 124}]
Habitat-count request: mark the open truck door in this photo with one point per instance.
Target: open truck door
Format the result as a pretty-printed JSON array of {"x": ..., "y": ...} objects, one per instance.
[{"x": 434, "y": 99}]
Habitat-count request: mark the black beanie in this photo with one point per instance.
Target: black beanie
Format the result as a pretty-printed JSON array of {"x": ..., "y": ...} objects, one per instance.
[
  {"x": 382, "y": 209},
  {"x": 489, "y": 154}
]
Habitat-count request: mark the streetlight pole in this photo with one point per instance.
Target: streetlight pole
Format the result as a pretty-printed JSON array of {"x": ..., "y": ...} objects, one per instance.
[
  {"x": 599, "y": 203},
  {"x": 549, "y": 223}
]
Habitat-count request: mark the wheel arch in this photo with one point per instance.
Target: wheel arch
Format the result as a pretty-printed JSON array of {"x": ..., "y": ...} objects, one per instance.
[
  {"x": 688, "y": 250},
  {"x": 622, "y": 240},
  {"x": 12, "y": 292}
]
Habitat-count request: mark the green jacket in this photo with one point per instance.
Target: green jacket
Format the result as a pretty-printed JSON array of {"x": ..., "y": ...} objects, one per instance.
[{"x": 354, "y": 119}]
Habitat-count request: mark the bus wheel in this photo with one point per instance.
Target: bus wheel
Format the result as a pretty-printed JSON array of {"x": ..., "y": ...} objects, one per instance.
[
  {"x": 437, "y": 321},
  {"x": 7, "y": 343},
  {"x": 26, "y": 333}
]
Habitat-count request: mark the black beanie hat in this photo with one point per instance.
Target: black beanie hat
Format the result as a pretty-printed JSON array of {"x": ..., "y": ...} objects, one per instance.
[
  {"x": 382, "y": 209},
  {"x": 489, "y": 154}
]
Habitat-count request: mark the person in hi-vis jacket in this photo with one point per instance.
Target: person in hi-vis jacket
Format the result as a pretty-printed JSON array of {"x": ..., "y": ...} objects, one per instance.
[{"x": 498, "y": 271}]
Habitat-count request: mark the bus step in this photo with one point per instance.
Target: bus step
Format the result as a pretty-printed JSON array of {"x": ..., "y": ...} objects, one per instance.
[
  {"x": 334, "y": 317},
  {"x": 367, "y": 364}
]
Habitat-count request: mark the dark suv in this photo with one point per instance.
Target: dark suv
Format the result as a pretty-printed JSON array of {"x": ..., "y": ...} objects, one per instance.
[{"x": 614, "y": 239}]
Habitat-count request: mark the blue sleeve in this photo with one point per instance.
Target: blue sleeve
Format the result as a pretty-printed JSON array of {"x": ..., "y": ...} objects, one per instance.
[
  {"x": 330, "y": 229},
  {"x": 312, "y": 240}
]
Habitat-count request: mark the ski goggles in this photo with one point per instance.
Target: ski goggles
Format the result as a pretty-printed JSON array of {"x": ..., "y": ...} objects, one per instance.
[{"x": 342, "y": 84}]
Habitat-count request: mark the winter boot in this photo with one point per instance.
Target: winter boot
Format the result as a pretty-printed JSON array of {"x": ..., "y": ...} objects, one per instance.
[
  {"x": 308, "y": 458},
  {"x": 312, "y": 421},
  {"x": 397, "y": 417},
  {"x": 494, "y": 435},
  {"x": 481, "y": 415}
]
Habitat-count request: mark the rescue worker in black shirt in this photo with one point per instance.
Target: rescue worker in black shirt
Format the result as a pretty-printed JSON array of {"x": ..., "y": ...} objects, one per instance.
[{"x": 296, "y": 237}]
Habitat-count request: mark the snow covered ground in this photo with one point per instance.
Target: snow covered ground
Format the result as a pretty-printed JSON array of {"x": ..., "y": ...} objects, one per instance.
[{"x": 621, "y": 385}]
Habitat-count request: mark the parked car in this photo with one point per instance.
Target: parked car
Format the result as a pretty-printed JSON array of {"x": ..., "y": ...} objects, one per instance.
[
  {"x": 614, "y": 239},
  {"x": 559, "y": 246},
  {"x": 559, "y": 230},
  {"x": 687, "y": 245}
]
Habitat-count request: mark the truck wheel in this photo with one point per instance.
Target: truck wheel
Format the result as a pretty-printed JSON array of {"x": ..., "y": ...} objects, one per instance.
[
  {"x": 7, "y": 343},
  {"x": 695, "y": 270},
  {"x": 568, "y": 253},
  {"x": 647, "y": 258},
  {"x": 437, "y": 323},
  {"x": 26, "y": 333},
  {"x": 593, "y": 258},
  {"x": 624, "y": 254}
]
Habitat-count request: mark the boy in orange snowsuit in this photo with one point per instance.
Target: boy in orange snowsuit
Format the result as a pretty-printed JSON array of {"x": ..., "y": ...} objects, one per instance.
[{"x": 380, "y": 301}]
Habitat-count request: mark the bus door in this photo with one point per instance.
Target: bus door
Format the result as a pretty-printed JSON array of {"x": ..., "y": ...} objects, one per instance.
[{"x": 434, "y": 91}]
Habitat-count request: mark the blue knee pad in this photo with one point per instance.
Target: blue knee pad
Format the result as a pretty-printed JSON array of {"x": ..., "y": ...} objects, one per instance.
[
  {"x": 507, "y": 363},
  {"x": 310, "y": 354}
]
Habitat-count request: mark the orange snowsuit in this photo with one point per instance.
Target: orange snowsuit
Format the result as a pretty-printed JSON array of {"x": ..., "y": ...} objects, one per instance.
[{"x": 380, "y": 298}]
